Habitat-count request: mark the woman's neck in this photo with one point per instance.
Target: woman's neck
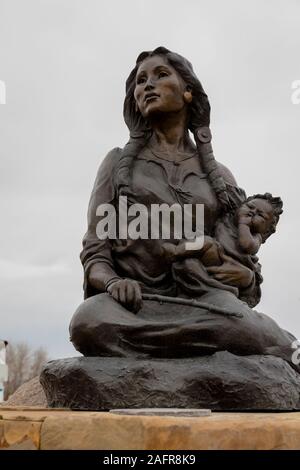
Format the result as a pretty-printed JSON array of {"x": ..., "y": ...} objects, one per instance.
[{"x": 170, "y": 134}]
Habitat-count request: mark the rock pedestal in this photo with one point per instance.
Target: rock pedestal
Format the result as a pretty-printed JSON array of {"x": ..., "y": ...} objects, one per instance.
[{"x": 220, "y": 382}]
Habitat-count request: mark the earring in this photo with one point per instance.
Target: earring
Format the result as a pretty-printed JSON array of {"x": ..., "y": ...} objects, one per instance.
[
  {"x": 136, "y": 107},
  {"x": 187, "y": 96}
]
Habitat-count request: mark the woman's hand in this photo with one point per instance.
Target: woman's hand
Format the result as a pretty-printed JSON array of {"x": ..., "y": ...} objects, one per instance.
[
  {"x": 194, "y": 248},
  {"x": 232, "y": 272},
  {"x": 128, "y": 293},
  {"x": 186, "y": 248}
]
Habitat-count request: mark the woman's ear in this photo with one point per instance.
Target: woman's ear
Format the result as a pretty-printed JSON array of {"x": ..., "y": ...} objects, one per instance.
[{"x": 187, "y": 95}]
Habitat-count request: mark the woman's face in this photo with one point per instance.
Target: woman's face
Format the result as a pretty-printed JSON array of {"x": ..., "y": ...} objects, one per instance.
[{"x": 159, "y": 88}]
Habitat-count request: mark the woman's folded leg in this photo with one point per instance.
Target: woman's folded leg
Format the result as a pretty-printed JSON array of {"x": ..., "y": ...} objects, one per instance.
[{"x": 103, "y": 327}]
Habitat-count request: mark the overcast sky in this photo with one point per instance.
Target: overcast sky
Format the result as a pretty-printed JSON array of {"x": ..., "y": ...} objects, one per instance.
[{"x": 65, "y": 63}]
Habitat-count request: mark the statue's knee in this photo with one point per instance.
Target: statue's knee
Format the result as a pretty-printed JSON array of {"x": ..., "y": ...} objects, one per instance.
[{"x": 86, "y": 318}]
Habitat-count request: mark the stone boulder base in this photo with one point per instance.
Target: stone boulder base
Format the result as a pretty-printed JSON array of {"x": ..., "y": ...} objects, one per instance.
[
  {"x": 30, "y": 393},
  {"x": 222, "y": 381}
]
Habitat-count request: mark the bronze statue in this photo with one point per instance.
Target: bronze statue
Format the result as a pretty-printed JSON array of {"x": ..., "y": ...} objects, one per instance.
[{"x": 121, "y": 318}]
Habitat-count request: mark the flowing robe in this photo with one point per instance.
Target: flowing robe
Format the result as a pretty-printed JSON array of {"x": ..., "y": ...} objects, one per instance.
[{"x": 103, "y": 327}]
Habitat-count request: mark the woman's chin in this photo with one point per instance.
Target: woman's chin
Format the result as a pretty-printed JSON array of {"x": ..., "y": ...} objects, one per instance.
[
  {"x": 157, "y": 112},
  {"x": 152, "y": 107}
]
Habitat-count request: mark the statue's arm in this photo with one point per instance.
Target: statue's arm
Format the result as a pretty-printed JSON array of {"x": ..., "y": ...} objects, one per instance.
[
  {"x": 227, "y": 175},
  {"x": 96, "y": 254}
]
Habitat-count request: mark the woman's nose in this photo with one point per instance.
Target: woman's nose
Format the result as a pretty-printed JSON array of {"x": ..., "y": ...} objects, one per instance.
[{"x": 149, "y": 84}]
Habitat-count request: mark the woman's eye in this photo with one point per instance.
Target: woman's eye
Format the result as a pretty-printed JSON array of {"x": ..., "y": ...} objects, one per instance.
[
  {"x": 163, "y": 74},
  {"x": 141, "y": 80}
]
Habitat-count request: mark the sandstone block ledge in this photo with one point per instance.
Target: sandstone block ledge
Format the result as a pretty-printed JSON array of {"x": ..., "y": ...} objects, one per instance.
[{"x": 34, "y": 428}]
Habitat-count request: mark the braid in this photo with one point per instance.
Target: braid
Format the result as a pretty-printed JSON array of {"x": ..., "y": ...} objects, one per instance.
[
  {"x": 202, "y": 136},
  {"x": 130, "y": 152}
]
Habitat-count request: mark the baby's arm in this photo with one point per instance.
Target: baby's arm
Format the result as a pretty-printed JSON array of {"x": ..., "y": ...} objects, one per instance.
[{"x": 249, "y": 242}]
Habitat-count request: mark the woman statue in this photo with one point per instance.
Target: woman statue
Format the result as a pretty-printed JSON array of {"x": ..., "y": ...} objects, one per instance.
[{"x": 165, "y": 103}]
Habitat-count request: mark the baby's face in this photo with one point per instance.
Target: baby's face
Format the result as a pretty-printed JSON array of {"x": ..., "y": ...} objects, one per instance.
[{"x": 263, "y": 214}]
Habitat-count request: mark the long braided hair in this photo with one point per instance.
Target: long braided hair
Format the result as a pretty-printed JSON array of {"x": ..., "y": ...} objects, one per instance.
[{"x": 198, "y": 124}]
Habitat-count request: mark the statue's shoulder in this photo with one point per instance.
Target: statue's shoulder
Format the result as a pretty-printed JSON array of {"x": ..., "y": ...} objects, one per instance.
[
  {"x": 236, "y": 194},
  {"x": 227, "y": 175},
  {"x": 111, "y": 159},
  {"x": 104, "y": 182}
]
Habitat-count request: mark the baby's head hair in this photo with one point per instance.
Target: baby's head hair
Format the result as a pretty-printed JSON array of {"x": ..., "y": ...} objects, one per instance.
[{"x": 276, "y": 204}]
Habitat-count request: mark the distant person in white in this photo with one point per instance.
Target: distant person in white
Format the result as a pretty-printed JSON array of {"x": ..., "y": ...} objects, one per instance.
[{"x": 3, "y": 345}]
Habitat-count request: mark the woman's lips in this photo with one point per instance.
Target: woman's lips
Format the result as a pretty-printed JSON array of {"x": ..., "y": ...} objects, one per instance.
[{"x": 150, "y": 97}]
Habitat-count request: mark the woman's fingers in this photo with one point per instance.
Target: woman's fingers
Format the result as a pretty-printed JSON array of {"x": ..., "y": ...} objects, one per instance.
[
  {"x": 223, "y": 273},
  {"x": 231, "y": 272},
  {"x": 197, "y": 248},
  {"x": 224, "y": 277},
  {"x": 134, "y": 296},
  {"x": 214, "y": 269},
  {"x": 228, "y": 259},
  {"x": 220, "y": 276},
  {"x": 128, "y": 293},
  {"x": 122, "y": 292},
  {"x": 138, "y": 297}
]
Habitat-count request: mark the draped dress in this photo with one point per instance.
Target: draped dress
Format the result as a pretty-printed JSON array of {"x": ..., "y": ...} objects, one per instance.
[{"x": 103, "y": 327}]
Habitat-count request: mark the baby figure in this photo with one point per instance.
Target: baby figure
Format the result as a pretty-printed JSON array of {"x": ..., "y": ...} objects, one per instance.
[
  {"x": 239, "y": 235},
  {"x": 257, "y": 219}
]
